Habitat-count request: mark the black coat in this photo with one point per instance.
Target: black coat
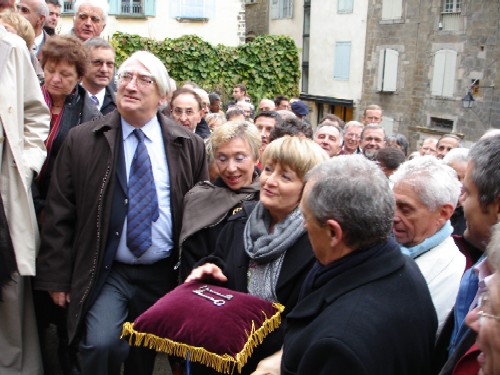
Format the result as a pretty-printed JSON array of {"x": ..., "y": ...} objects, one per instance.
[
  {"x": 231, "y": 257},
  {"x": 108, "y": 104},
  {"x": 375, "y": 318}
]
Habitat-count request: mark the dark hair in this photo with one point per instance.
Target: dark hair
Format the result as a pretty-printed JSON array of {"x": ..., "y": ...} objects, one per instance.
[
  {"x": 53, "y": 2},
  {"x": 485, "y": 157},
  {"x": 291, "y": 127},
  {"x": 234, "y": 113},
  {"x": 213, "y": 96},
  {"x": 450, "y": 135},
  {"x": 331, "y": 117},
  {"x": 401, "y": 141},
  {"x": 279, "y": 99},
  {"x": 390, "y": 157},
  {"x": 241, "y": 86},
  {"x": 183, "y": 91},
  {"x": 65, "y": 48}
]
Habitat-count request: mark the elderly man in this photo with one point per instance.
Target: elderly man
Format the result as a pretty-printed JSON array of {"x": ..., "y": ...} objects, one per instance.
[
  {"x": 53, "y": 18},
  {"x": 352, "y": 135},
  {"x": 90, "y": 18},
  {"x": 481, "y": 205},
  {"x": 426, "y": 193},
  {"x": 428, "y": 147},
  {"x": 372, "y": 140},
  {"x": 36, "y": 12},
  {"x": 484, "y": 319},
  {"x": 267, "y": 105},
  {"x": 24, "y": 125},
  {"x": 446, "y": 143},
  {"x": 113, "y": 220},
  {"x": 372, "y": 115},
  {"x": 328, "y": 136},
  {"x": 99, "y": 74},
  {"x": 364, "y": 308}
]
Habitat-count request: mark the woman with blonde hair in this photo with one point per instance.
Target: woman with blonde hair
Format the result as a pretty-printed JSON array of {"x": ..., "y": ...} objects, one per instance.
[{"x": 264, "y": 249}]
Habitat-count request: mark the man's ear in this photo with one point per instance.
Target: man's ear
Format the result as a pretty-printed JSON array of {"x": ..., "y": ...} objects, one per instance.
[
  {"x": 335, "y": 232},
  {"x": 445, "y": 212}
]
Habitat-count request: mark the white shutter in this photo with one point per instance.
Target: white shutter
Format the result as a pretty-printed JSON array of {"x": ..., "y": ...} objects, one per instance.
[
  {"x": 342, "y": 60},
  {"x": 345, "y": 6},
  {"x": 449, "y": 73},
  {"x": 380, "y": 72},
  {"x": 392, "y": 9},
  {"x": 443, "y": 75},
  {"x": 387, "y": 76}
]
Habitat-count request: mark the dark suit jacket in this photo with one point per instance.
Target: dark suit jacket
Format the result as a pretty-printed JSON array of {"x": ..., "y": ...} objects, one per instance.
[
  {"x": 108, "y": 105},
  {"x": 375, "y": 318},
  {"x": 85, "y": 207}
]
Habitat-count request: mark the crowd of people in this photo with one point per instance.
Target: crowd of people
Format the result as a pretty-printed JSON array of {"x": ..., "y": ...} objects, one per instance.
[{"x": 116, "y": 186}]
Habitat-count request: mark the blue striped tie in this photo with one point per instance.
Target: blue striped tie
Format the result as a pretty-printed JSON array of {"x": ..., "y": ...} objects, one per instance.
[{"x": 142, "y": 199}]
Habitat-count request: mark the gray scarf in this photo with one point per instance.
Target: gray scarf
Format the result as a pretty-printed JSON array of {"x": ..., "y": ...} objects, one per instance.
[{"x": 267, "y": 250}]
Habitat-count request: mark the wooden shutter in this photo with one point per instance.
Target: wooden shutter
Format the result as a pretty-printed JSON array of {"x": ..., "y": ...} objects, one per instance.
[
  {"x": 342, "y": 60},
  {"x": 443, "y": 75},
  {"x": 387, "y": 70}
]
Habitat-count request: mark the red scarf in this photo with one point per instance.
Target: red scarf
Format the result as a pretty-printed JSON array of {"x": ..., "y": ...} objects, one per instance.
[{"x": 55, "y": 122}]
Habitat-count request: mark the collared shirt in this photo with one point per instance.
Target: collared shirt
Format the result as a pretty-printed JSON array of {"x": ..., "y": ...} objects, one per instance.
[
  {"x": 162, "y": 228},
  {"x": 100, "y": 97},
  {"x": 38, "y": 43}
]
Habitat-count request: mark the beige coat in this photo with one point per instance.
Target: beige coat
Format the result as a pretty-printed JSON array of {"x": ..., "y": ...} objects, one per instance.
[{"x": 24, "y": 125}]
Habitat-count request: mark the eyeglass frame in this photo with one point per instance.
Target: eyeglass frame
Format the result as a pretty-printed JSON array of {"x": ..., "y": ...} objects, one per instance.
[
  {"x": 481, "y": 313},
  {"x": 179, "y": 111},
  {"x": 141, "y": 79},
  {"x": 98, "y": 63}
]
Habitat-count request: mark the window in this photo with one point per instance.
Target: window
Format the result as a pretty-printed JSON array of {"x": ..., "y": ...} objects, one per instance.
[
  {"x": 67, "y": 7},
  {"x": 192, "y": 9},
  {"x": 344, "y": 6},
  {"x": 281, "y": 9},
  {"x": 452, "y": 6},
  {"x": 387, "y": 70},
  {"x": 392, "y": 9},
  {"x": 441, "y": 123},
  {"x": 342, "y": 61},
  {"x": 443, "y": 75}
]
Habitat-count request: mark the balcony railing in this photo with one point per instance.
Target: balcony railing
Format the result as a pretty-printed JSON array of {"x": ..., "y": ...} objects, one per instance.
[
  {"x": 452, "y": 21},
  {"x": 132, "y": 8}
]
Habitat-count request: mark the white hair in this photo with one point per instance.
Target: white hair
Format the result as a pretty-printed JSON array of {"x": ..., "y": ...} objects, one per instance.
[
  {"x": 154, "y": 65},
  {"x": 434, "y": 182},
  {"x": 456, "y": 155},
  {"x": 101, "y": 4}
]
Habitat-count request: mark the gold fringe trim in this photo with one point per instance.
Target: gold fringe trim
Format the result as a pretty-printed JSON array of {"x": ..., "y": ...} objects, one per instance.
[{"x": 221, "y": 363}]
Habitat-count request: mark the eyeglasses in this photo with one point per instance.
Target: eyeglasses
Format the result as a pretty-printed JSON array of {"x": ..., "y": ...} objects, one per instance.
[
  {"x": 23, "y": 9},
  {"x": 224, "y": 159},
  {"x": 352, "y": 135},
  {"x": 179, "y": 111},
  {"x": 142, "y": 80},
  {"x": 85, "y": 17},
  {"x": 99, "y": 63},
  {"x": 485, "y": 304}
]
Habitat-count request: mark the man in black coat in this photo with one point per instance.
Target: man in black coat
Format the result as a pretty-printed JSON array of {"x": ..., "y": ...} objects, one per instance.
[{"x": 364, "y": 308}]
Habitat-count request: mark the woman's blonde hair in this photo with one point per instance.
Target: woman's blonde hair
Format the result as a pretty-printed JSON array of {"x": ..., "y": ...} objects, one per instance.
[
  {"x": 20, "y": 24},
  {"x": 236, "y": 129},
  {"x": 299, "y": 154}
]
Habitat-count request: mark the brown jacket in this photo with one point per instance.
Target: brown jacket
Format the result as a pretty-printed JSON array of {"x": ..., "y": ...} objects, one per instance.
[{"x": 78, "y": 209}]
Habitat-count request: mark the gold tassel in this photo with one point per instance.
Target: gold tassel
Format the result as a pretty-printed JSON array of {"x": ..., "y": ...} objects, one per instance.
[{"x": 221, "y": 363}]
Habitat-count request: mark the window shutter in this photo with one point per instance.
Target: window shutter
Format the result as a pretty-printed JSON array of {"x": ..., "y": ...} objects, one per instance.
[
  {"x": 387, "y": 70},
  {"x": 443, "y": 75},
  {"x": 150, "y": 7},
  {"x": 449, "y": 73},
  {"x": 342, "y": 60},
  {"x": 114, "y": 7},
  {"x": 345, "y": 6},
  {"x": 275, "y": 9},
  {"x": 392, "y": 9},
  {"x": 290, "y": 9}
]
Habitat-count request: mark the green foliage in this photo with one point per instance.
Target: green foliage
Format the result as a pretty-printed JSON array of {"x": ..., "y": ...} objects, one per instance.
[{"x": 268, "y": 66}]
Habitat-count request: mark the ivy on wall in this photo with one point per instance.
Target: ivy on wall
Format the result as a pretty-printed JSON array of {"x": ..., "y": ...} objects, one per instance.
[{"x": 268, "y": 66}]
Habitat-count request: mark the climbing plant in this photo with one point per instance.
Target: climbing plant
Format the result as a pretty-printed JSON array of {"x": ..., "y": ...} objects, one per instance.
[{"x": 269, "y": 65}]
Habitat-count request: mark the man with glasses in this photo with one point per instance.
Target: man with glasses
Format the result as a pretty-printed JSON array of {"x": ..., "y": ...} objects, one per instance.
[
  {"x": 99, "y": 74},
  {"x": 113, "y": 217},
  {"x": 90, "y": 18},
  {"x": 372, "y": 140},
  {"x": 36, "y": 12},
  {"x": 352, "y": 135},
  {"x": 187, "y": 108},
  {"x": 481, "y": 203}
]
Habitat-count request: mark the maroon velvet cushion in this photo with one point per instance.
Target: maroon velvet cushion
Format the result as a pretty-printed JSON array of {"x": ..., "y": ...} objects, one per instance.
[{"x": 220, "y": 334}]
